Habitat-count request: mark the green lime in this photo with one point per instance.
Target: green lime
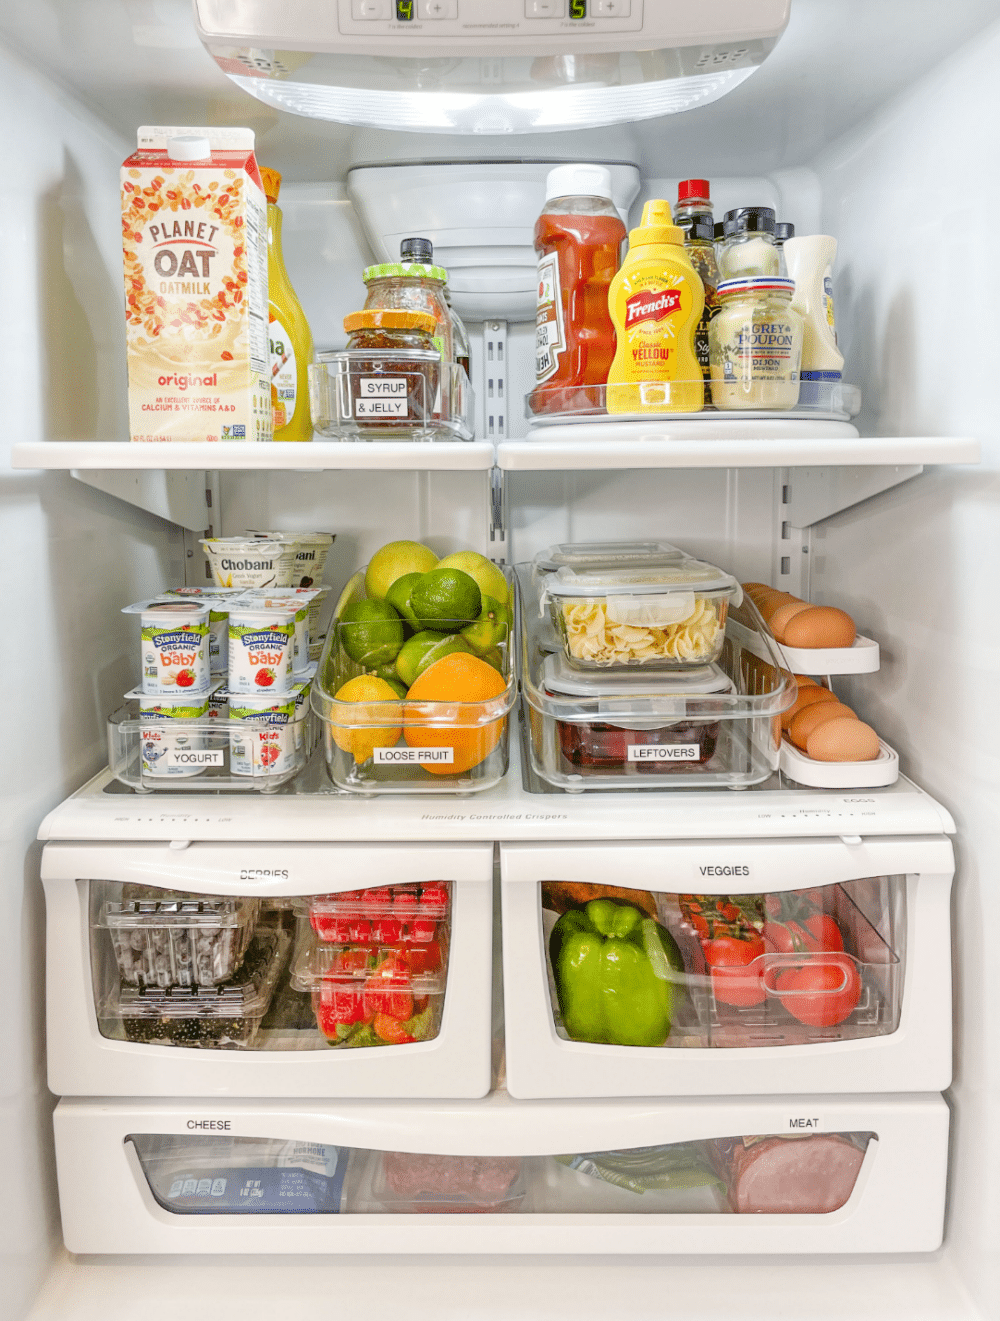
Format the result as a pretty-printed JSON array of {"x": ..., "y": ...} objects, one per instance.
[
  {"x": 422, "y": 650},
  {"x": 398, "y": 597},
  {"x": 489, "y": 577},
  {"x": 371, "y": 633},
  {"x": 494, "y": 657},
  {"x": 492, "y": 626},
  {"x": 397, "y": 685},
  {"x": 392, "y": 561},
  {"x": 446, "y": 600}
]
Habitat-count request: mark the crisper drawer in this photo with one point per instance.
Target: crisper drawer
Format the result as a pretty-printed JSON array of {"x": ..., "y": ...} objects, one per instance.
[
  {"x": 719, "y": 968},
  {"x": 279, "y": 970},
  {"x": 781, "y": 1175}
]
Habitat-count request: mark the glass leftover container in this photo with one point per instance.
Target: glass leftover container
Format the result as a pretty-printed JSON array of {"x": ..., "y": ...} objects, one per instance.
[
  {"x": 755, "y": 344},
  {"x": 789, "y": 968},
  {"x": 166, "y": 938},
  {"x": 719, "y": 730},
  {"x": 224, "y": 1015},
  {"x": 658, "y": 611}
]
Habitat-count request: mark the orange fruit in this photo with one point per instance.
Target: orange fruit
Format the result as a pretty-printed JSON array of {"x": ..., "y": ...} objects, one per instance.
[
  {"x": 358, "y": 728},
  {"x": 457, "y": 678}
]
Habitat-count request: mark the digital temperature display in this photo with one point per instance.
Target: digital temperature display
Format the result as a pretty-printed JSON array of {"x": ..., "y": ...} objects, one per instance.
[
  {"x": 578, "y": 8},
  {"x": 404, "y": 11}
]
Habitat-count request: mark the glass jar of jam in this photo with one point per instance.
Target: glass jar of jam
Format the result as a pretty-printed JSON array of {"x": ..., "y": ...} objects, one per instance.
[{"x": 393, "y": 370}]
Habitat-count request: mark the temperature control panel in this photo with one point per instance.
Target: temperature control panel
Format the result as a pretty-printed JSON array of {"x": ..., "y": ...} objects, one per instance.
[{"x": 489, "y": 18}]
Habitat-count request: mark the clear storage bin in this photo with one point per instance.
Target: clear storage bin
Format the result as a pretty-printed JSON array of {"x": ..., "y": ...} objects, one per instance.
[
  {"x": 709, "y": 725},
  {"x": 164, "y": 938},
  {"x": 833, "y": 401},
  {"x": 365, "y": 394},
  {"x": 615, "y": 608}
]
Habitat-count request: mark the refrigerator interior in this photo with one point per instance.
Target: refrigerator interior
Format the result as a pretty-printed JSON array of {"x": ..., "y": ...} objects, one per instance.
[{"x": 868, "y": 123}]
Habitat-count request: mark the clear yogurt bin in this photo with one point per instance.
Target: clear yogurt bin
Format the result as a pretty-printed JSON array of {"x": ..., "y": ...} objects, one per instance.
[{"x": 706, "y": 726}]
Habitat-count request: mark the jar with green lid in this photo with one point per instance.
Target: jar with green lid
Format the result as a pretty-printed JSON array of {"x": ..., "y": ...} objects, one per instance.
[
  {"x": 755, "y": 345},
  {"x": 414, "y": 284}
]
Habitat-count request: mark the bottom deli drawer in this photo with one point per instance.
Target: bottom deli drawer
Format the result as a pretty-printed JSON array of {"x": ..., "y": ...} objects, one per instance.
[{"x": 786, "y": 1175}]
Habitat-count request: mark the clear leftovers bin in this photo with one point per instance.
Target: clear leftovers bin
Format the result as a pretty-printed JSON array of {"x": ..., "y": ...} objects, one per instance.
[
  {"x": 772, "y": 1175},
  {"x": 622, "y": 981},
  {"x": 705, "y": 726},
  {"x": 272, "y": 996}
]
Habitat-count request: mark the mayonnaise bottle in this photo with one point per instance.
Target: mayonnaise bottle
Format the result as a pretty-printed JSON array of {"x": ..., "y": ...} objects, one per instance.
[{"x": 810, "y": 264}]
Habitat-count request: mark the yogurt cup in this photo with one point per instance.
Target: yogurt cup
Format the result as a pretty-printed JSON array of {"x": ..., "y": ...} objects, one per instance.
[
  {"x": 265, "y": 741},
  {"x": 174, "y": 646},
  {"x": 171, "y": 744},
  {"x": 218, "y": 619},
  {"x": 261, "y": 646},
  {"x": 251, "y": 561},
  {"x": 300, "y": 599},
  {"x": 218, "y": 704},
  {"x": 310, "y": 556}
]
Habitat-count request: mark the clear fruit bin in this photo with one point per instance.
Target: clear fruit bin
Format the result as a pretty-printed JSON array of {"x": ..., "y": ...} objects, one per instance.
[
  {"x": 214, "y": 1017},
  {"x": 834, "y": 401},
  {"x": 370, "y": 992},
  {"x": 791, "y": 968},
  {"x": 404, "y": 394},
  {"x": 165, "y": 938},
  {"x": 434, "y": 745},
  {"x": 714, "y": 726}
]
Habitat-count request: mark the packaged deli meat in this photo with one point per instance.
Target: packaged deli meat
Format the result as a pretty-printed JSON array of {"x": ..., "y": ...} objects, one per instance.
[
  {"x": 412, "y": 1181},
  {"x": 807, "y": 1174}
]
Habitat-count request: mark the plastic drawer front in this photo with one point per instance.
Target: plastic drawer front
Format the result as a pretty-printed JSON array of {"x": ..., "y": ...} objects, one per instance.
[
  {"x": 279, "y": 970},
  {"x": 782, "y": 1175},
  {"x": 725, "y": 968}
]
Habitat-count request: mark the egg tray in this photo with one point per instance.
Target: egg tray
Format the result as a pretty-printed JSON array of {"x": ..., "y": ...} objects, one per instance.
[{"x": 876, "y": 774}]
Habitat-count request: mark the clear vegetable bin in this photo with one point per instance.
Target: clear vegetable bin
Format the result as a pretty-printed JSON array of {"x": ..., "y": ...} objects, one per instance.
[
  {"x": 445, "y": 733},
  {"x": 392, "y": 394},
  {"x": 701, "y": 726},
  {"x": 620, "y": 980}
]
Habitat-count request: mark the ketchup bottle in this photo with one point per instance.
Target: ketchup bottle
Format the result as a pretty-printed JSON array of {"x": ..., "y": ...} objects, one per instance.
[{"x": 578, "y": 239}]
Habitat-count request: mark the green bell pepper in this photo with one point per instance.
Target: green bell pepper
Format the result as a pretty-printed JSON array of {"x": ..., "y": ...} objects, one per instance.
[{"x": 618, "y": 974}]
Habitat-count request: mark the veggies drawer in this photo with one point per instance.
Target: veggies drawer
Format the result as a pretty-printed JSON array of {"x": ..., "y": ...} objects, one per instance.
[
  {"x": 711, "y": 969},
  {"x": 242, "y": 969},
  {"x": 780, "y": 1175}
]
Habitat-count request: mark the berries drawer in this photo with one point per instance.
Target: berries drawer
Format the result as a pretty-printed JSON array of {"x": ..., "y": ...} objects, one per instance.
[
  {"x": 721, "y": 968},
  {"x": 284, "y": 970},
  {"x": 778, "y": 1175}
]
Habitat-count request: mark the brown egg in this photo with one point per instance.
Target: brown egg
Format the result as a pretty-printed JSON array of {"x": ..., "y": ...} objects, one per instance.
[
  {"x": 806, "y": 697},
  {"x": 804, "y": 681},
  {"x": 772, "y": 603},
  {"x": 783, "y": 616},
  {"x": 811, "y": 717},
  {"x": 843, "y": 740},
  {"x": 753, "y": 590},
  {"x": 820, "y": 626}
]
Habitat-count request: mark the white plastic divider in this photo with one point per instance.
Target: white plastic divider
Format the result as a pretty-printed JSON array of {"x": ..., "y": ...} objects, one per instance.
[
  {"x": 897, "y": 1204},
  {"x": 916, "y": 1057},
  {"x": 860, "y": 658},
  {"x": 881, "y": 771},
  {"x": 82, "y": 1062}
]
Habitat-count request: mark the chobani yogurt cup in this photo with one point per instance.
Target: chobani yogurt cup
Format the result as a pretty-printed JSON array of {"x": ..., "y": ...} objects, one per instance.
[
  {"x": 218, "y": 599},
  {"x": 251, "y": 561},
  {"x": 171, "y": 744},
  {"x": 262, "y": 735},
  {"x": 261, "y": 643},
  {"x": 174, "y": 646},
  {"x": 310, "y": 556}
]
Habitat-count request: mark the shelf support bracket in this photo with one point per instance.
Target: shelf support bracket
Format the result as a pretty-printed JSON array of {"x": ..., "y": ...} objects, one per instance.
[
  {"x": 180, "y": 496},
  {"x": 818, "y": 493}
]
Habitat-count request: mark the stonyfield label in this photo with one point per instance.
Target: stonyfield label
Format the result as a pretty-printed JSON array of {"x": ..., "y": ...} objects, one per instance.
[
  {"x": 413, "y": 756},
  {"x": 664, "y": 752},
  {"x": 648, "y": 305}
]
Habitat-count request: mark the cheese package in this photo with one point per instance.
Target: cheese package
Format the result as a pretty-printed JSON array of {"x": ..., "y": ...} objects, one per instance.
[{"x": 194, "y": 239}]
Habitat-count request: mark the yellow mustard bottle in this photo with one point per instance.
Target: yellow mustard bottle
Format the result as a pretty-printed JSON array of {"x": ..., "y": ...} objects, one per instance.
[
  {"x": 288, "y": 332},
  {"x": 656, "y": 301}
]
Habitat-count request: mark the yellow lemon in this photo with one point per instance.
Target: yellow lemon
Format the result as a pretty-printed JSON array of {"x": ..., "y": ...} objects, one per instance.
[{"x": 359, "y": 727}]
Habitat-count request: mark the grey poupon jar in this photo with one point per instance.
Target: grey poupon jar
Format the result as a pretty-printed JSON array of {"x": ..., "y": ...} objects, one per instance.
[{"x": 755, "y": 345}]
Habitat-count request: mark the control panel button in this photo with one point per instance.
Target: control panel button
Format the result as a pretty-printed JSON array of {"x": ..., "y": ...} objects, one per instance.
[
  {"x": 544, "y": 8},
  {"x": 431, "y": 9},
  {"x": 610, "y": 8},
  {"x": 370, "y": 9}
]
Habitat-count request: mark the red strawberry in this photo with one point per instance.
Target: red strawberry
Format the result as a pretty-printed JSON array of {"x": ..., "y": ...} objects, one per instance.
[
  {"x": 185, "y": 678},
  {"x": 338, "y": 1006},
  {"x": 424, "y": 958},
  {"x": 386, "y": 930},
  {"x": 264, "y": 677},
  {"x": 387, "y": 991},
  {"x": 434, "y": 897},
  {"x": 391, "y": 1030}
]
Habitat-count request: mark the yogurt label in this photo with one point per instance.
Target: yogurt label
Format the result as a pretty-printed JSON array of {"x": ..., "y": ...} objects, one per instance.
[
  {"x": 261, "y": 645},
  {"x": 175, "y": 649}
]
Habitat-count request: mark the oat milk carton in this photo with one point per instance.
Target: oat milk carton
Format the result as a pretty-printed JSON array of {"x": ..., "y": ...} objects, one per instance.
[{"x": 194, "y": 236}]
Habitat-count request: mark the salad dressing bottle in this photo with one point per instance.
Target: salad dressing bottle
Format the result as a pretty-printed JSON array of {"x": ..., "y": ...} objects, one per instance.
[{"x": 288, "y": 332}]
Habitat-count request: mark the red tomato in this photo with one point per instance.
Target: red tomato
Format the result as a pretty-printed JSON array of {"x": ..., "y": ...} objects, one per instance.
[
  {"x": 733, "y": 981},
  {"x": 818, "y": 932},
  {"x": 822, "y": 991}
]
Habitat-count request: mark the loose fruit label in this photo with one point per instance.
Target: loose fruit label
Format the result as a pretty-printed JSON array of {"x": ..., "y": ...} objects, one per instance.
[
  {"x": 413, "y": 756},
  {"x": 664, "y": 751},
  {"x": 382, "y": 396}
]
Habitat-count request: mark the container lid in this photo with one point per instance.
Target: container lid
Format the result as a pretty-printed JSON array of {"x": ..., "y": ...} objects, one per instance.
[
  {"x": 578, "y": 181},
  {"x": 558, "y": 677},
  {"x": 702, "y": 231},
  {"x": 719, "y": 230},
  {"x": 383, "y": 318},
  {"x": 173, "y": 613},
  {"x": 416, "y": 250},
  {"x": 271, "y": 180},
  {"x": 189, "y": 148},
  {"x": 752, "y": 219},
  {"x": 693, "y": 188},
  {"x": 586, "y": 554},
  {"x": 650, "y": 575},
  {"x": 167, "y": 908},
  {"x": 783, "y": 230},
  {"x": 399, "y": 271},
  {"x": 657, "y": 225},
  {"x": 756, "y": 284}
]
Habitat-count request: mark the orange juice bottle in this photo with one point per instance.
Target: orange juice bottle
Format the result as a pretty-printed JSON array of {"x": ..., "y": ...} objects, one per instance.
[{"x": 656, "y": 301}]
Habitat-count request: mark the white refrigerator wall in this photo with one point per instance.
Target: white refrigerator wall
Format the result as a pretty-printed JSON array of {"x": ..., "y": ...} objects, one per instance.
[{"x": 71, "y": 556}]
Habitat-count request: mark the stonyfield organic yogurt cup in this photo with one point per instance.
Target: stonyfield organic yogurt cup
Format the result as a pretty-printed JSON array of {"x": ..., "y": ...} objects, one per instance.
[
  {"x": 261, "y": 643},
  {"x": 300, "y": 600},
  {"x": 174, "y": 646},
  {"x": 171, "y": 745},
  {"x": 218, "y": 599},
  {"x": 251, "y": 561},
  {"x": 262, "y": 735}
]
